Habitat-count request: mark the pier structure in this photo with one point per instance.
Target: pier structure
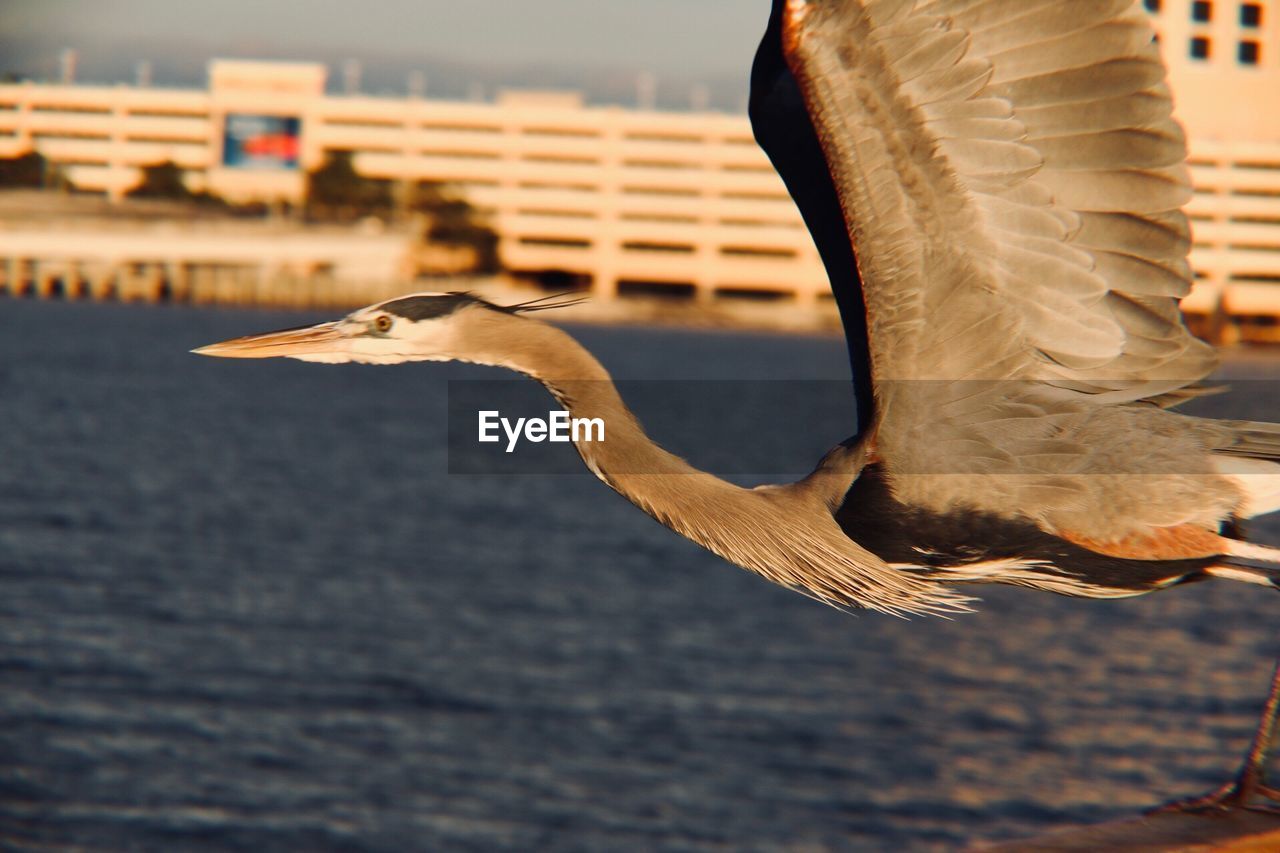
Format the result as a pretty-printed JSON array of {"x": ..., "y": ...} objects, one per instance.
[{"x": 273, "y": 266}]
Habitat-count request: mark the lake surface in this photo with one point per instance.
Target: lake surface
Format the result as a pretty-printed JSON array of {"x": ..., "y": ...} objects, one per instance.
[{"x": 245, "y": 606}]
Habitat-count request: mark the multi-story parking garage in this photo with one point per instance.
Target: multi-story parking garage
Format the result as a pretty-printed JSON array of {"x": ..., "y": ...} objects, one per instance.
[{"x": 635, "y": 200}]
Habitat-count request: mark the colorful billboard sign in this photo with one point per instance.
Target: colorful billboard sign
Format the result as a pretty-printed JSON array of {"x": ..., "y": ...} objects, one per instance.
[{"x": 261, "y": 141}]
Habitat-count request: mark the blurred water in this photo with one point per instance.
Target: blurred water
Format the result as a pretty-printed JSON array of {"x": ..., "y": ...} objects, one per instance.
[{"x": 243, "y": 606}]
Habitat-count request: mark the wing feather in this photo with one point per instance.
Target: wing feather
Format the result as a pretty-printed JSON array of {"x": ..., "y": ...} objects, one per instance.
[
  {"x": 985, "y": 13},
  {"x": 1143, "y": 109},
  {"x": 1012, "y": 181},
  {"x": 941, "y": 49},
  {"x": 1115, "y": 78},
  {"x": 1160, "y": 238},
  {"x": 1140, "y": 275},
  {"x": 1038, "y": 22},
  {"x": 1144, "y": 190},
  {"x": 1032, "y": 145},
  {"x": 1117, "y": 149},
  {"x": 1082, "y": 48}
]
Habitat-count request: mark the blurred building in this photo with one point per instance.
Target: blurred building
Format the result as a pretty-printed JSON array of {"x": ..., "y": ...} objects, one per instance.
[
  {"x": 1224, "y": 69},
  {"x": 630, "y": 200},
  {"x": 639, "y": 200}
]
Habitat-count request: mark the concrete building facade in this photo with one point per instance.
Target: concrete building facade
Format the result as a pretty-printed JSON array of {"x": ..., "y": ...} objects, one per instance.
[
  {"x": 637, "y": 200},
  {"x": 1224, "y": 69},
  {"x": 629, "y": 199}
]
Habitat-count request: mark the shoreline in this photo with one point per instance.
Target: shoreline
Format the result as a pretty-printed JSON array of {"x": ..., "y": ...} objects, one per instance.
[{"x": 632, "y": 313}]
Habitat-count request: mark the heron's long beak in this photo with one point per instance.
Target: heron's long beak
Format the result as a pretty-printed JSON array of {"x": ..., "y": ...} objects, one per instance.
[{"x": 321, "y": 339}]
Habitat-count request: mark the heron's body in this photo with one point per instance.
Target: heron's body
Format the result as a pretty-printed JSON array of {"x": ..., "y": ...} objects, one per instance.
[
  {"x": 995, "y": 187},
  {"x": 972, "y": 545}
]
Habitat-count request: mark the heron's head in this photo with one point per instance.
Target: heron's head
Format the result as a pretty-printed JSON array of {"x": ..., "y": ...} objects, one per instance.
[{"x": 420, "y": 327}]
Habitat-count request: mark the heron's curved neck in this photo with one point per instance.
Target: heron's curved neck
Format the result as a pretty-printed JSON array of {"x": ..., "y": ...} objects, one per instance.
[
  {"x": 785, "y": 533},
  {"x": 582, "y": 385}
]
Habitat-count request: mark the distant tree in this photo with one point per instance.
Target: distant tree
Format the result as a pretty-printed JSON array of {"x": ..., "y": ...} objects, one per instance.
[
  {"x": 29, "y": 169},
  {"x": 163, "y": 181},
  {"x": 336, "y": 191},
  {"x": 452, "y": 221}
]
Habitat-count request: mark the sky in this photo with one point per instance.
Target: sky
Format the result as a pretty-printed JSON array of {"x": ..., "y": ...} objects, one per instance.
[{"x": 681, "y": 42}]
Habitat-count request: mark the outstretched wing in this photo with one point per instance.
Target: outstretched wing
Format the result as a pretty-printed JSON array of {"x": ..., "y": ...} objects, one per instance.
[
  {"x": 781, "y": 123},
  {"x": 1011, "y": 179}
]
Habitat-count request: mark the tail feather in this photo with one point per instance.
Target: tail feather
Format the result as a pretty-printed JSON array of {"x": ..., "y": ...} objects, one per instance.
[
  {"x": 1245, "y": 561},
  {"x": 1251, "y": 553},
  {"x": 1254, "y": 439},
  {"x": 1269, "y": 577}
]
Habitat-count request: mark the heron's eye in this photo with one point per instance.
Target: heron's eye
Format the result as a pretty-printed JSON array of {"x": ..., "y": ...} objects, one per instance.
[{"x": 383, "y": 323}]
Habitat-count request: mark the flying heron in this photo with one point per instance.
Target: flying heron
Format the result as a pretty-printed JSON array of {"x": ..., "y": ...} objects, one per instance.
[{"x": 995, "y": 188}]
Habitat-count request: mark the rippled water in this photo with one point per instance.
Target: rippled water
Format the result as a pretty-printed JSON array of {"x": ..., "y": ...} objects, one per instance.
[{"x": 244, "y": 606}]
